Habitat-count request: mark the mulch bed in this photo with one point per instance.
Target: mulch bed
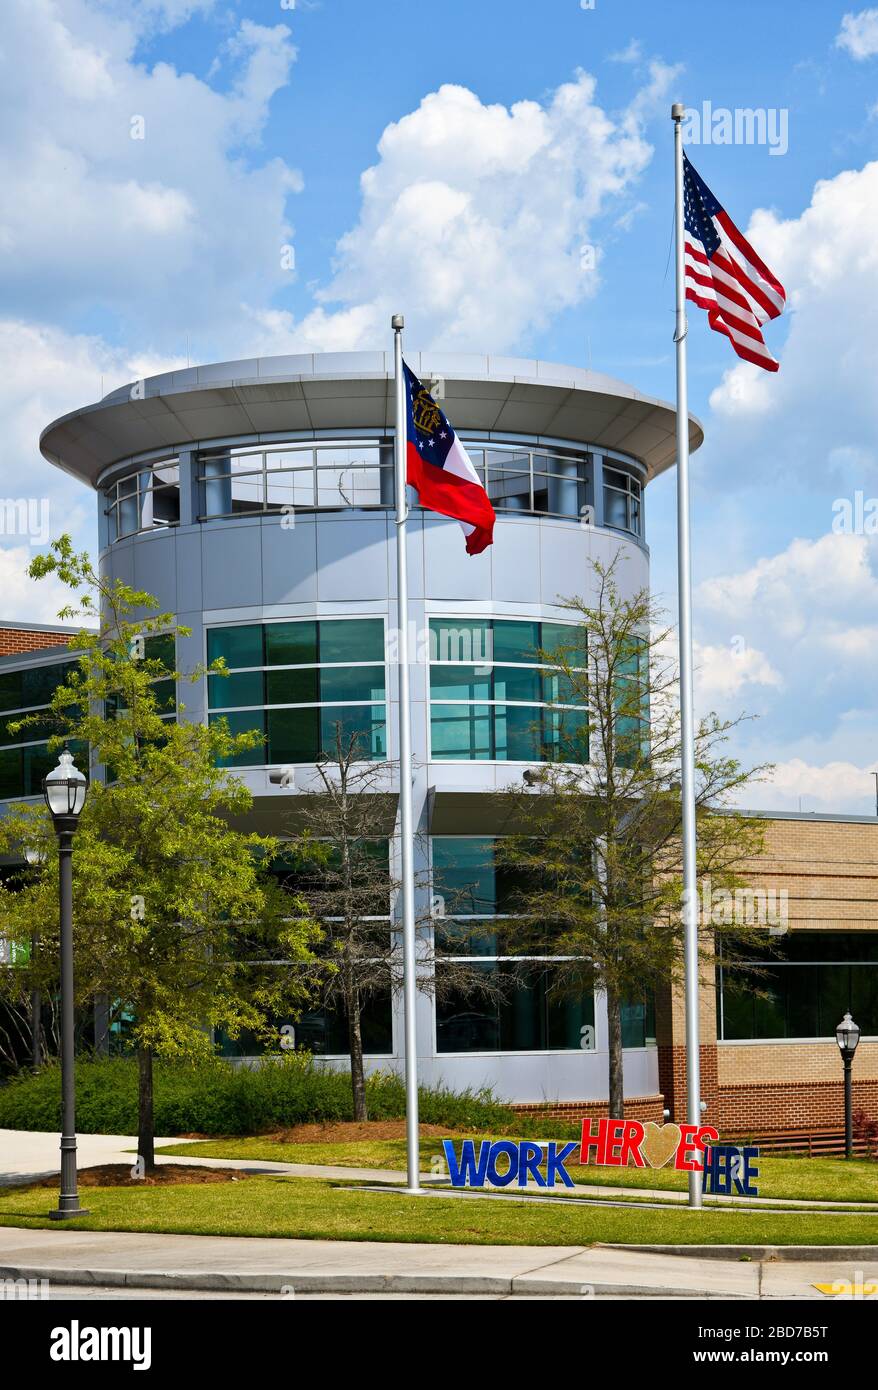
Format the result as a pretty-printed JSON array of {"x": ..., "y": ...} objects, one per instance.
[{"x": 165, "y": 1175}]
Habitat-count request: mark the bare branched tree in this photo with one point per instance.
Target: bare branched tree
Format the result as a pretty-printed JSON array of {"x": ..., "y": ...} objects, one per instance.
[{"x": 340, "y": 866}]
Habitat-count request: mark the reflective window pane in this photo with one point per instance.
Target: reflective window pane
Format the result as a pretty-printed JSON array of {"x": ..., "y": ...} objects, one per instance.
[
  {"x": 461, "y": 731},
  {"x": 298, "y": 687},
  {"x": 820, "y": 977},
  {"x": 516, "y": 640},
  {"x": 242, "y": 722},
  {"x": 352, "y": 683},
  {"x": 615, "y": 509},
  {"x": 566, "y": 735},
  {"x": 292, "y": 735},
  {"x": 31, "y": 733},
  {"x": 289, "y": 490},
  {"x": 247, "y": 493},
  {"x": 365, "y": 723},
  {"x": 463, "y": 873},
  {"x": 225, "y": 692},
  {"x": 460, "y": 683},
  {"x": 517, "y": 733},
  {"x": 529, "y": 1017},
  {"x": 289, "y": 458},
  {"x": 471, "y": 879},
  {"x": 11, "y": 780},
  {"x": 325, "y": 1031},
  {"x": 512, "y": 683},
  {"x": 333, "y": 487},
  {"x": 238, "y": 646},
  {"x": 290, "y": 644},
  {"x": 352, "y": 639},
  {"x": 461, "y": 639},
  {"x": 559, "y": 689}
]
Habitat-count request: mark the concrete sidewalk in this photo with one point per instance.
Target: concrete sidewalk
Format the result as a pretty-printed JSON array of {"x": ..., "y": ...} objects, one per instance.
[{"x": 286, "y": 1267}]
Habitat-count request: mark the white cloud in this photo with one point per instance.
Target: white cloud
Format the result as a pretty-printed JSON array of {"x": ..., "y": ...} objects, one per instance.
[
  {"x": 835, "y": 787},
  {"x": 723, "y": 671},
  {"x": 44, "y": 372},
  {"x": 474, "y": 219},
  {"x": 800, "y": 633},
  {"x": 859, "y": 34},
  {"x": 24, "y": 599},
  {"x": 163, "y": 233},
  {"x": 820, "y": 411},
  {"x": 631, "y": 53},
  {"x": 812, "y": 585},
  {"x": 159, "y": 14}
]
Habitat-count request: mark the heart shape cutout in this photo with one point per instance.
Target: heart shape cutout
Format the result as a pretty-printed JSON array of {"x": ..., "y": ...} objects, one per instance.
[{"x": 660, "y": 1143}]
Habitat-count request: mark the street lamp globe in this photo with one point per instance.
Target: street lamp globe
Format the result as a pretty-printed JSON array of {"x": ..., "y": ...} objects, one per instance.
[
  {"x": 65, "y": 788},
  {"x": 847, "y": 1035}
]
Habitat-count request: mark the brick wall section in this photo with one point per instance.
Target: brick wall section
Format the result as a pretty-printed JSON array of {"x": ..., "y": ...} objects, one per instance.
[
  {"x": 768, "y": 1105},
  {"x": 636, "y": 1108},
  {"x": 670, "y": 1026},
  {"x": 672, "y": 1079},
  {"x": 14, "y": 639},
  {"x": 794, "y": 1063},
  {"x": 830, "y": 871},
  {"x": 791, "y": 1085}
]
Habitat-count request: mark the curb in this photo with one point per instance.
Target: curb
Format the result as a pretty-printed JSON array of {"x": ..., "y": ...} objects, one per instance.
[
  {"x": 288, "y": 1285},
  {"x": 760, "y": 1254}
]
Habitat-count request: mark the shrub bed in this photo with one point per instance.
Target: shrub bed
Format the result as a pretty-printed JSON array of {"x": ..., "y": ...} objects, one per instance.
[{"x": 218, "y": 1097}]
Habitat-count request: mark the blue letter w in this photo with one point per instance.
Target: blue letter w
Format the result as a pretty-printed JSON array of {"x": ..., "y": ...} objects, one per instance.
[{"x": 468, "y": 1173}]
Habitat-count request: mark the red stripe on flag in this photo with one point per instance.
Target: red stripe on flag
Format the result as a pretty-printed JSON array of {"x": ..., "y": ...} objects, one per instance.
[
  {"x": 452, "y": 496},
  {"x": 715, "y": 321},
  {"x": 721, "y": 289},
  {"x": 750, "y": 255},
  {"x": 751, "y": 287}
]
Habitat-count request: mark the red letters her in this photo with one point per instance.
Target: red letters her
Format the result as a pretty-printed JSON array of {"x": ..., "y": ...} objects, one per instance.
[{"x": 616, "y": 1142}]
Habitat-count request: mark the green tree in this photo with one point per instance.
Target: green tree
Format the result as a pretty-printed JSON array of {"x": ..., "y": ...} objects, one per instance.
[
  {"x": 176, "y": 919},
  {"x": 595, "y": 832}
]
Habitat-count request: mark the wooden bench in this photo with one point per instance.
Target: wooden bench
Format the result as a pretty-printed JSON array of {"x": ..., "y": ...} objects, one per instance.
[{"x": 814, "y": 1142}]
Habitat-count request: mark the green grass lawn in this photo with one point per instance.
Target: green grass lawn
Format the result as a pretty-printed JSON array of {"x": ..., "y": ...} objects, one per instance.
[
  {"x": 309, "y": 1209},
  {"x": 817, "y": 1179}
]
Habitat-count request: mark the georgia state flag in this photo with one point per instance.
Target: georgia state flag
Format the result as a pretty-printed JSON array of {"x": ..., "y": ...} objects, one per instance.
[{"x": 440, "y": 470}]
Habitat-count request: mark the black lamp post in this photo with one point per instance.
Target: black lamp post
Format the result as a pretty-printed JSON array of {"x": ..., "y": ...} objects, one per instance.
[
  {"x": 65, "y": 790},
  {"x": 847, "y": 1035}
]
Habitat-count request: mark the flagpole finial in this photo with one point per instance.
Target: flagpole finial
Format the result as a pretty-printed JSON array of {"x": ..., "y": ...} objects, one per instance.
[
  {"x": 397, "y": 322},
  {"x": 678, "y": 111}
]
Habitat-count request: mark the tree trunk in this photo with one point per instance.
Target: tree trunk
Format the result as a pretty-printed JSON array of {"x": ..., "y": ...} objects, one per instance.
[
  {"x": 617, "y": 1083},
  {"x": 355, "y": 1040},
  {"x": 145, "y": 1119}
]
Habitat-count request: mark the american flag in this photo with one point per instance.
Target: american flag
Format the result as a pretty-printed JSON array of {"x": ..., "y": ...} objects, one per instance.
[{"x": 724, "y": 275}]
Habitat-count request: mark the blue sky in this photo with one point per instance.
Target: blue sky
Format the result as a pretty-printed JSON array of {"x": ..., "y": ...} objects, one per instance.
[{"x": 496, "y": 140}]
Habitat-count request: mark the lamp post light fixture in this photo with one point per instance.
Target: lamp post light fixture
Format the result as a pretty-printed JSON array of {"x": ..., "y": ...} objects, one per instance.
[
  {"x": 847, "y": 1035},
  {"x": 35, "y": 855},
  {"x": 65, "y": 791}
]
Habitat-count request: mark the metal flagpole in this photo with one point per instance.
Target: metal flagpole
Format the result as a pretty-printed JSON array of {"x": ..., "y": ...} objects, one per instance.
[
  {"x": 687, "y": 724},
  {"x": 409, "y": 945}
]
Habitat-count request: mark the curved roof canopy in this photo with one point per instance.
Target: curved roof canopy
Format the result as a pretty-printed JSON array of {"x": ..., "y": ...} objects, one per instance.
[{"x": 329, "y": 391}]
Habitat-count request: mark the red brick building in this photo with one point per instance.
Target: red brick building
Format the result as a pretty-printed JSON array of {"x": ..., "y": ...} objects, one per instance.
[
  {"x": 769, "y": 1058},
  {"x": 32, "y": 637}
]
